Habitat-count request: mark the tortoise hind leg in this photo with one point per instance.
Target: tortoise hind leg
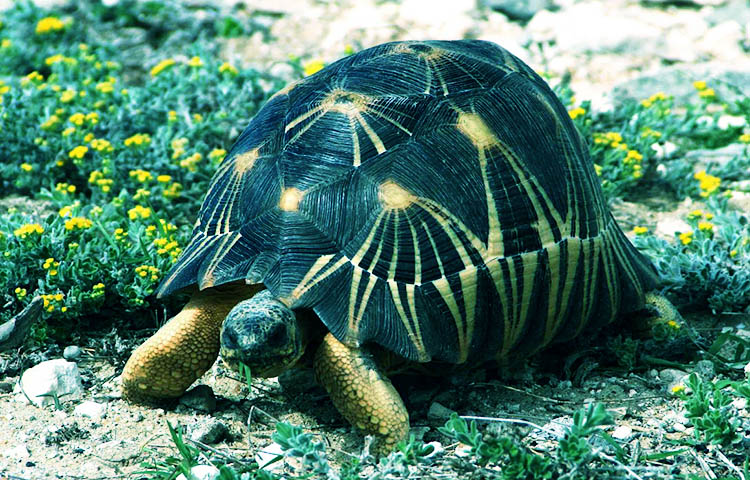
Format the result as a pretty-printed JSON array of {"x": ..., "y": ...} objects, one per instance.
[{"x": 362, "y": 393}]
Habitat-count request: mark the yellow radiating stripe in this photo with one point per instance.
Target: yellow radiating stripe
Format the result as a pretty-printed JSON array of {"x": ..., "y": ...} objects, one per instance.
[
  {"x": 308, "y": 281},
  {"x": 360, "y": 308},
  {"x": 469, "y": 280},
  {"x": 202, "y": 245},
  {"x": 496, "y": 272},
  {"x": 446, "y": 292},
  {"x": 305, "y": 128},
  {"x": 226, "y": 212},
  {"x": 590, "y": 280},
  {"x": 354, "y": 288},
  {"x": 432, "y": 207},
  {"x": 417, "y": 254},
  {"x": 495, "y": 247},
  {"x": 624, "y": 261},
  {"x": 511, "y": 332},
  {"x": 414, "y": 332},
  {"x": 556, "y": 312},
  {"x": 303, "y": 117},
  {"x": 530, "y": 263},
  {"x": 370, "y": 133},
  {"x": 227, "y": 243},
  {"x": 553, "y": 309},
  {"x": 439, "y": 75},
  {"x": 394, "y": 255},
  {"x": 357, "y": 161},
  {"x": 218, "y": 199},
  {"x": 357, "y": 258},
  {"x": 544, "y": 229},
  {"x": 434, "y": 248},
  {"x": 379, "y": 114}
]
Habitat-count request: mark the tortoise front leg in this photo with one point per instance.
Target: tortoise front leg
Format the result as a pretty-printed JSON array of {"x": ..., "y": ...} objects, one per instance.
[
  {"x": 166, "y": 364},
  {"x": 362, "y": 393}
]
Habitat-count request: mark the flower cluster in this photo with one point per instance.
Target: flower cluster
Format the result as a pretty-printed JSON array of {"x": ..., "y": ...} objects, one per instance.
[
  {"x": 28, "y": 229},
  {"x": 77, "y": 223},
  {"x": 149, "y": 271},
  {"x": 708, "y": 184}
]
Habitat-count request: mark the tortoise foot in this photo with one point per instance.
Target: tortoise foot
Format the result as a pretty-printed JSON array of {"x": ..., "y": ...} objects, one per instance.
[{"x": 362, "y": 393}]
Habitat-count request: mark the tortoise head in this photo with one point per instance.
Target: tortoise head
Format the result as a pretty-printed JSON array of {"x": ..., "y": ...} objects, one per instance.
[{"x": 262, "y": 333}]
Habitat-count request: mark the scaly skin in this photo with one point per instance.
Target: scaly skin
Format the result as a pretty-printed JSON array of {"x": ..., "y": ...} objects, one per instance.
[
  {"x": 166, "y": 364},
  {"x": 362, "y": 393}
]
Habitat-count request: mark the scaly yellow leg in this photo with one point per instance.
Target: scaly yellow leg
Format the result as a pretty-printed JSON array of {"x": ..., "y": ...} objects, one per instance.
[
  {"x": 362, "y": 393},
  {"x": 166, "y": 364}
]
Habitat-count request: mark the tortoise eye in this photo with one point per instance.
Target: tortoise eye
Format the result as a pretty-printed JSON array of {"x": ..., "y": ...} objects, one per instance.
[{"x": 277, "y": 337}]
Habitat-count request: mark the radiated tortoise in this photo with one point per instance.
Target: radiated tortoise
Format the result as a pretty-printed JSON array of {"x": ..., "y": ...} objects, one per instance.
[{"x": 432, "y": 199}]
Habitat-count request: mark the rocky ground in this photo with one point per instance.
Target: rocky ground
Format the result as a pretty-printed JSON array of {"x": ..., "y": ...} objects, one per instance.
[{"x": 610, "y": 49}]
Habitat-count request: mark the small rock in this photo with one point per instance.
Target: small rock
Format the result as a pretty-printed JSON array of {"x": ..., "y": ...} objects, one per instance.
[
  {"x": 623, "y": 432},
  {"x": 669, "y": 227},
  {"x": 53, "y": 378},
  {"x": 739, "y": 201},
  {"x": 200, "y": 398},
  {"x": 439, "y": 412},
  {"x": 717, "y": 156},
  {"x": 209, "y": 431},
  {"x": 730, "y": 121},
  {"x": 6, "y": 387},
  {"x": 71, "y": 352},
  {"x": 678, "y": 427},
  {"x": 555, "y": 429},
  {"x": 739, "y": 403},
  {"x": 19, "y": 452},
  {"x": 518, "y": 9},
  {"x": 706, "y": 369},
  {"x": 266, "y": 456},
  {"x": 202, "y": 472},
  {"x": 672, "y": 377},
  {"x": 92, "y": 410}
]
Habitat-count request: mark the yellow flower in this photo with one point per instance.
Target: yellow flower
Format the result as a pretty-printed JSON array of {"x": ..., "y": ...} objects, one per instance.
[
  {"x": 576, "y": 112},
  {"x": 20, "y": 292},
  {"x": 78, "y": 223},
  {"x": 217, "y": 154},
  {"x": 140, "y": 175},
  {"x": 137, "y": 140},
  {"x": 195, "y": 62},
  {"x": 164, "y": 178},
  {"x": 67, "y": 96},
  {"x": 139, "y": 212},
  {"x": 178, "y": 147},
  {"x": 105, "y": 87},
  {"x": 745, "y": 138},
  {"x": 51, "y": 122},
  {"x": 313, "y": 66},
  {"x": 686, "y": 237},
  {"x": 78, "y": 152},
  {"x": 190, "y": 162},
  {"x": 65, "y": 188},
  {"x": 197, "y": 117},
  {"x": 49, "y": 24},
  {"x": 68, "y": 131},
  {"x": 28, "y": 229},
  {"x": 141, "y": 193},
  {"x": 705, "y": 226},
  {"x": 27, "y": 167},
  {"x": 227, "y": 67},
  {"x": 598, "y": 169},
  {"x": 173, "y": 191},
  {"x": 633, "y": 155},
  {"x": 708, "y": 183},
  {"x": 92, "y": 118},
  {"x": 707, "y": 93},
  {"x": 677, "y": 389},
  {"x": 640, "y": 230},
  {"x": 6, "y": 43},
  {"x": 101, "y": 145},
  {"x": 733, "y": 253},
  {"x": 77, "y": 119},
  {"x": 699, "y": 84},
  {"x": 698, "y": 213},
  {"x": 161, "y": 66},
  {"x": 98, "y": 286},
  {"x": 66, "y": 211},
  {"x": 54, "y": 59},
  {"x": 172, "y": 116}
]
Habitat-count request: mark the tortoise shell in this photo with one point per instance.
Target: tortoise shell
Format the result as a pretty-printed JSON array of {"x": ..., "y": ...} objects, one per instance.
[{"x": 431, "y": 197}]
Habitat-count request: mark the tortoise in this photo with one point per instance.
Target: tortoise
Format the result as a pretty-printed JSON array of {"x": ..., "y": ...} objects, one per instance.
[{"x": 431, "y": 199}]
